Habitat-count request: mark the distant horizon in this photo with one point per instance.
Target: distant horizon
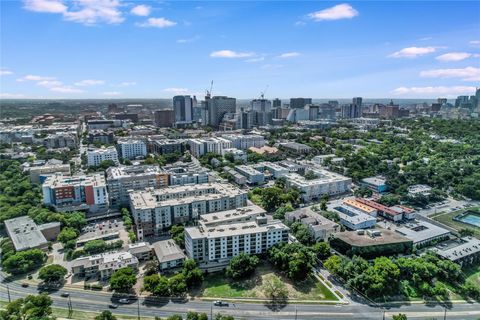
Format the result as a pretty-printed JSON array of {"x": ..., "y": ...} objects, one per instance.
[{"x": 59, "y": 49}]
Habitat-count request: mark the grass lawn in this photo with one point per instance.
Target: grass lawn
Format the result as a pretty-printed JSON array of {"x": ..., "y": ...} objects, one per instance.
[
  {"x": 217, "y": 285},
  {"x": 447, "y": 219}
]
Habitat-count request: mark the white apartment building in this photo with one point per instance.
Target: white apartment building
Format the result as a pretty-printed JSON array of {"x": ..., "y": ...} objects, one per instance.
[
  {"x": 98, "y": 155},
  {"x": 123, "y": 179},
  {"x": 223, "y": 235},
  {"x": 155, "y": 210},
  {"x": 245, "y": 141},
  {"x": 131, "y": 149},
  {"x": 103, "y": 265},
  {"x": 326, "y": 182},
  {"x": 199, "y": 147}
]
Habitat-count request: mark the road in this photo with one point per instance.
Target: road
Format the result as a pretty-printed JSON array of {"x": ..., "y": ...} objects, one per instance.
[{"x": 91, "y": 301}]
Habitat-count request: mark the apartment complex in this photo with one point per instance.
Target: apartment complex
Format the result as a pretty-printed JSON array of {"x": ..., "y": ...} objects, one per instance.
[
  {"x": 199, "y": 147},
  {"x": 122, "y": 180},
  {"x": 102, "y": 266},
  {"x": 222, "y": 235},
  {"x": 245, "y": 141},
  {"x": 70, "y": 193},
  {"x": 155, "y": 210},
  {"x": 326, "y": 182},
  {"x": 182, "y": 173},
  {"x": 98, "y": 155},
  {"x": 39, "y": 174},
  {"x": 319, "y": 227},
  {"x": 132, "y": 148}
]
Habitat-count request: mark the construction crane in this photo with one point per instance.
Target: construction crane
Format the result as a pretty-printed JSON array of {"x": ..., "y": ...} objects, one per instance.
[
  {"x": 209, "y": 92},
  {"x": 262, "y": 93}
]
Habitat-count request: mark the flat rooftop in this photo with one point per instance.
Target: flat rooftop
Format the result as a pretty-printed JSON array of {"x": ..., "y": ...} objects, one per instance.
[
  {"x": 457, "y": 249},
  {"x": 25, "y": 233},
  {"x": 59, "y": 180},
  {"x": 420, "y": 231},
  {"x": 363, "y": 240},
  {"x": 228, "y": 216},
  {"x": 375, "y": 181},
  {"x": 131, "y": 171}
]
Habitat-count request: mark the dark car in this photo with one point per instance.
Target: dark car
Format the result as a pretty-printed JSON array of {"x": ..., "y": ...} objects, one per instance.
[
  {"x": 65, "y": 294},
  {"x": 220, "y": 303},
  {"x": 24, "y": 284},
  {"x": 113, "y": 306}
]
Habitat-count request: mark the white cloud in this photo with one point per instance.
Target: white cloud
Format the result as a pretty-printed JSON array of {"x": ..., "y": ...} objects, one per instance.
[
  {"x": 111, "y": 93},
  {"x": 466, "y": 74},
  {"x": 425, "y": 39},
  {"x": 31, "y": 77},
  {"x": 340, "y": 11},
  {"x": 95, "y": 11},
  {"x": 49, "y": 83},
  {"x": 454, "y": 56},
  {"x": 177, "y": 91},
  {"x": 412, "y": 52},
  {"x": 126, "y": 84},
  {"x": 157, "y": 23},
  {"x": 300, "y": 23},
  {"x": 289, "y": 55},
  {"x": 66, "y": 89},
  {"x": 141, "y": 10},
  {"x": 231, "y": 54},
  {"x": 255, "y": 59},
  {"x": 89, "y": 82},
  {"x": 4, "y": 72},
  {"x": 474, "y": 42},
  {"x": 48, "y": 6},
  {"x": 6, "y": 95},
  {"x": 433, "y": 90}
]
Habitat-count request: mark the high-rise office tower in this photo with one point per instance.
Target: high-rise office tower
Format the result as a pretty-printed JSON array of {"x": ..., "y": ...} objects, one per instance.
[
  {"x": 217, "y": 107},
  {"x": 357, "y": 101},
  {"x": 276, "y": 103},
  {"x": 299, "y": 103},
  {"x": 442, "y": 101},
  {"x": 350, "y": 111},
  {"x": 182, "y": 106},
  {"x": 262, "y": 105},
  {"x": 164, "y": 118}
]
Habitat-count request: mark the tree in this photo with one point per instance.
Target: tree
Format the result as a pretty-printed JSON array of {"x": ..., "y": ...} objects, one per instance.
[
  {"x": 295, "y": 259},
  {"x": 75, "y": 220},
  {"x": 175, "y": 317},
  {"x": 123, "y": 280},
  {"x": 219, "y": 316},
  {"x": 151, "y": 267},
  {"x": 95, "y": 246},
  {"x": 302, "y": 233},
  {"x": 323, "y": 205},
  {"x": 193, "y": 275},
  {"x": 310, "y": 175},
  {"x": 322, "y": 250},
  {"x": 191, "y": 315},
  {"x": 177, "y": 285},
  {"x": 157, "y": 285},
  {"x": 52, "y": 273},
  {"x": 400, "y": 316},
  {"x": 274, "y": 288},
  {"x": 242, "y": 266},
  {"x": 333, "y": 264},
  {"x": 106, "y": 315},
  {"x": 178, "y": 234},
  {"x": 23, "y": 261},
  {"x": 29, "y": 308},
  {"x": 67, "y": 234}
]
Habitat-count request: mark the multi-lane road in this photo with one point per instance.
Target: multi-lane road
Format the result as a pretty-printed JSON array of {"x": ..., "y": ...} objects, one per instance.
[{"x": 91, "y": 301}]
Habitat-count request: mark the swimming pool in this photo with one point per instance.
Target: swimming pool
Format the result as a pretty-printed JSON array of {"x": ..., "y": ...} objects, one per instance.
[{"x": 471, "y": 218}]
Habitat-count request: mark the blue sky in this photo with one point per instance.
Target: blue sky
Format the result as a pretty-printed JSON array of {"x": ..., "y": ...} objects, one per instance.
[{"x": 319, "y": 49}]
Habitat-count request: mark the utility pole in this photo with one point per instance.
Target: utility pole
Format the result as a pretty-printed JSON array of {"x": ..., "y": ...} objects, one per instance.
[
  {"x": 138, "y": 308},
  {"x": 211, "y": 312},
  {"x": 8, "y": 292},
  {"x": 445, "y": 313},
  {"x": 295, "y": 312},
  {"x": 70, "y": 309},
  {"x": 383, "y": 314}
]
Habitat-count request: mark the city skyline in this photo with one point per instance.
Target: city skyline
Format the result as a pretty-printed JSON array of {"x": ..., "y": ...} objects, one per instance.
[{"x": 148, "y": 49}]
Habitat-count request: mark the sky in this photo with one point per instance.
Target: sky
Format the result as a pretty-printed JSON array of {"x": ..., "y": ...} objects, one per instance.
[{"x": 158, "y": 49}]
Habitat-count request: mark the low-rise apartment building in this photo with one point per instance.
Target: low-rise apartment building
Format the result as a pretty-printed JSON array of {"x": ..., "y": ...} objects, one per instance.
[
  {"x": 39, "y": 174},
  {"x": 26, "y": 234},
  {"x": 254, "y": 177},
  {"x": 182, "y": 173},
  {"x": 102, "y": 266},
  {"x": 199, "y": 147},
  {"x": 156, "y": 210},
  {"x": 319, "y": 227},
  {"x": 169, "y": 255}
]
